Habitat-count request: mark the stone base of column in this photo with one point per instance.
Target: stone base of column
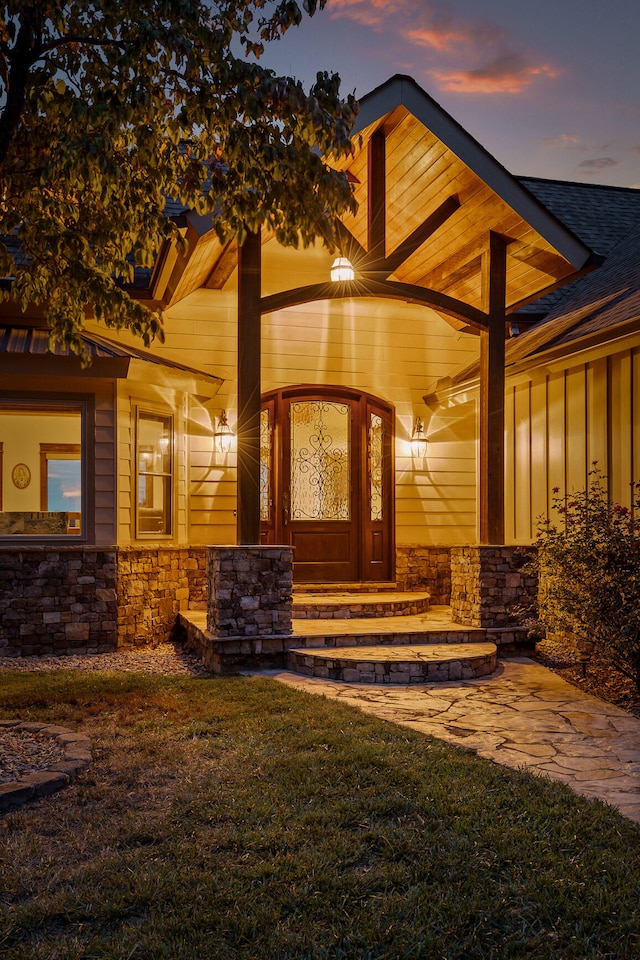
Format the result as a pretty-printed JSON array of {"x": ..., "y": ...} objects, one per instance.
[
  {"x": 488, "y": 585},
  {"x": 250, "y": 591}
]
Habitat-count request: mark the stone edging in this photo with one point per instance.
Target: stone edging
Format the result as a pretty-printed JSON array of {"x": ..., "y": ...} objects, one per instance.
[{"x": 77, "y": 753}]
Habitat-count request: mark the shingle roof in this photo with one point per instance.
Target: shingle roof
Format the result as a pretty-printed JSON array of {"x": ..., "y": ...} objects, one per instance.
[
  {"x": 599, "y": 215},
  {"x": 600, "y": 301}
]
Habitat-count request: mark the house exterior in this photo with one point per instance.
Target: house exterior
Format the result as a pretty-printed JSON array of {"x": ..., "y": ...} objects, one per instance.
[{"x": 493, "y": 317}]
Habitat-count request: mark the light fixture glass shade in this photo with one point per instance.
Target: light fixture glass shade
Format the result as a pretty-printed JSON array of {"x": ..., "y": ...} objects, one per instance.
[
  {"x": 223, "y": 434},
  {"x": 342, "y": 269},
  {"x": 419, "y": 440}
]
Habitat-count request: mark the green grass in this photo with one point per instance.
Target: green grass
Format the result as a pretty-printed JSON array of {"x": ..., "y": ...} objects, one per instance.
[{"x": 237, "y": 818}]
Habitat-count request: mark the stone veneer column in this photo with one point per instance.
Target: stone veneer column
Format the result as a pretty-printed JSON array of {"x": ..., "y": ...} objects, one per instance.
[
  {"x": 419, "y": 567},
  {"x": 250, "y": 591},
  {"x": 488, "y": 584}
]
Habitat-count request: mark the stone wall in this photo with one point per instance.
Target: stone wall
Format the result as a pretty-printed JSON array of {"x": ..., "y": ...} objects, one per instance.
[
  {"x": 153, "y": 585},
  {"x": 424, "y": 568},
  {"x": 250, "y": 591},
  {"x": 80, "y": 599},
  {"x": 488, "y": 584},
  {"x": 57, "y": 600}
]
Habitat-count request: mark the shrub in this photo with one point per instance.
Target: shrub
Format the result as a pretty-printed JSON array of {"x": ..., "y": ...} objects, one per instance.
[{"x": 588, "y": 565}]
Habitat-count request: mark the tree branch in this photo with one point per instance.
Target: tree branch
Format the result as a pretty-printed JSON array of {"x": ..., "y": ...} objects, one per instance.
[
  {"x": 79, "y": 38},
  {"x": 21, "y": 60}
]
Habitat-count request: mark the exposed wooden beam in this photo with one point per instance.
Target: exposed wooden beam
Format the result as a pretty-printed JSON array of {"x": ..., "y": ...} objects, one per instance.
[
  {"x": 454, "y": 310},
  {"x": 545, "y": 261},
  {"x": 249, "y": 389},
  {"x": 223, "y": 267},
  {"x": 415, "y": 240},
  {"x": 494, "y": 286},
  {"x": 376, "y": 196}
]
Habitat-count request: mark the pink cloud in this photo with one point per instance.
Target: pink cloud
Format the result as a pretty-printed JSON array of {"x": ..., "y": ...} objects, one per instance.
[
  {"x": 371, "y": 13},
  {"x": 446, "y": 33},
  {"x": 438, "y": 39},
  {"x": 470, "y": 55},
  {"x": 566, "y": 140},
  {"x": 507, "y": 73}
]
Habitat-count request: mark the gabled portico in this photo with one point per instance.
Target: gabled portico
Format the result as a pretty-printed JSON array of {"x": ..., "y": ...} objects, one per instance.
[{"x": 439, "y": 224}]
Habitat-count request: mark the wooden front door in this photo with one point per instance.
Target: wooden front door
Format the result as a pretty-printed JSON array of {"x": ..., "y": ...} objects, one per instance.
[{"x": 327, "y": 482}]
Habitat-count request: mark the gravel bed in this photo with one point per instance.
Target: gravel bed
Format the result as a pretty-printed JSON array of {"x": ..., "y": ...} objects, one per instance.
[
  {"x": 167, "y": 659},
  {"x": 22, "y": 753}
]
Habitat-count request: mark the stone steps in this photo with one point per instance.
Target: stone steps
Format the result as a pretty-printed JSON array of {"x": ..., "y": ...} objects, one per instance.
[
  {"x": 387, "y": 636},
  {"x": 349, "y": 586},
  {"x": 329, "y": 637},
  {"x": 405, "y": 664},
  {"x": 348, "y": 605}
]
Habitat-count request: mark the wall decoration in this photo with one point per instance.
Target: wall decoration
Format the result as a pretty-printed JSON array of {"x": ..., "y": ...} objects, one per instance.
[{"x": 21, "y": 476}]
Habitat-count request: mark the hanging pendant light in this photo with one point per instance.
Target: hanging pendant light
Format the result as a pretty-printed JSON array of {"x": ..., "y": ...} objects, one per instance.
[{"x": 342, "y": 270}]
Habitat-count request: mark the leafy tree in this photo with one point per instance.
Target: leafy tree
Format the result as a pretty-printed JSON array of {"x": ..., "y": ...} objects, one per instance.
[
  {"x": 588, "y": 564},
  {"x": 110, "y": 107}
]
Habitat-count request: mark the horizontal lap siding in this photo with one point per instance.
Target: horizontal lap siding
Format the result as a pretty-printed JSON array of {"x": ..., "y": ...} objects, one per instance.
[
  {"x": 396, "y": 352},
  {"x": 393, "y": 350},
  {"x": 105, "y": 475}
]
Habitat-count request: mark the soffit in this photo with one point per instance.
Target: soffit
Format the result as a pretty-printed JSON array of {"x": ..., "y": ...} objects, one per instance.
[
  {"x": 432, "y": 170},
  {"x": 429, "y": 158}
]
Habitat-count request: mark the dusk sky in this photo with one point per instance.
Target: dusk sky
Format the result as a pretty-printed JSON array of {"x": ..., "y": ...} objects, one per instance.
[{"x": 551, "y": 88}]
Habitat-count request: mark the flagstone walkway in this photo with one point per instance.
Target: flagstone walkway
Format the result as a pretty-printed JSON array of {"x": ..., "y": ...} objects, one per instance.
[{"x": 522, "y": 716}]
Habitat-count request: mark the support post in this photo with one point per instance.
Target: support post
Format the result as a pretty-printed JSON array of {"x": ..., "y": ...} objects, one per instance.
[
  {"x": 494, "y": 274},
  {"x": 249, "y": 358},
  {"x": 377, "y": 212}
]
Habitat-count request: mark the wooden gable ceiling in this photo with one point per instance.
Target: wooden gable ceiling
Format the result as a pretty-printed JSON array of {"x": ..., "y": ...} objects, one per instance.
[
  {"x": 434, "y": 170},
  {"x": 429, "y": 198}
]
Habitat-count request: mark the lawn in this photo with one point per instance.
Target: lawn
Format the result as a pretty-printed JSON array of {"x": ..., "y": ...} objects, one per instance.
[{"x": 238, "y": 818}]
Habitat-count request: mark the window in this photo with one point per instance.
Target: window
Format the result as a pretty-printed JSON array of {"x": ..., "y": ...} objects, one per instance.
[
  {"x": 61, "y": 482},
  {"x": 154, "y": 459},
  {"x": 43, "y": 468}
]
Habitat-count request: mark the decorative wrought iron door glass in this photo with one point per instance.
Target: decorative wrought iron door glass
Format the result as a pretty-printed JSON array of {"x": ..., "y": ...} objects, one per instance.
[
  {"x": 320, "y": 460},
  {"x": 376, "y": 474}
]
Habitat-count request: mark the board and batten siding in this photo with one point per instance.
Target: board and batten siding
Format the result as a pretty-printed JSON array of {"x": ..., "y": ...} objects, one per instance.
[
  {"x": 562, "y": 421},
  {"x": 390, "y": 349}
]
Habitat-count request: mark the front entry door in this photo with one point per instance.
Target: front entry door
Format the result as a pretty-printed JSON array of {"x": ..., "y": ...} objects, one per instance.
[{"x": 326, "y": 482}]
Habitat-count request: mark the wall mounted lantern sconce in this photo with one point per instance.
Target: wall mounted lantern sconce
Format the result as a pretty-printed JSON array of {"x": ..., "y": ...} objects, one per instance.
[
  {"x": 419, "y": 440},
  {"x": 342, "y": 269},
  {"x": 223, "y": 434}
]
